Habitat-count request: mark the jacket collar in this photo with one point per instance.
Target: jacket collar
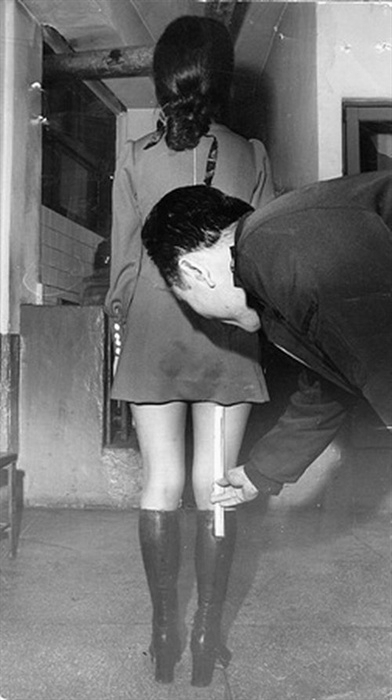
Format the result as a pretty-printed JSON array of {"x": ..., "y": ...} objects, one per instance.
[{"x": 234, "y": 248}]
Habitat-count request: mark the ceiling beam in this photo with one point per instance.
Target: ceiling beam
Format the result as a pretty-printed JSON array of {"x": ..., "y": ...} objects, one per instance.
[{"x": 123, "y": 62}]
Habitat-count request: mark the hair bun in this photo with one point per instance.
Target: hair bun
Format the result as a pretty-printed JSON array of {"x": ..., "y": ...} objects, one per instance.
[{"x": 187, "y": 120}]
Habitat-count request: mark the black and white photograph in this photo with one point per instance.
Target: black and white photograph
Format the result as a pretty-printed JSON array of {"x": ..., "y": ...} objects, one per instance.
[{"x": 195, "y": 349}]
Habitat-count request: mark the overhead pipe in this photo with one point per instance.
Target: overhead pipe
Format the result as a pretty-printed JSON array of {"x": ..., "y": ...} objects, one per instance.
[{"x": 123, "y": 62}]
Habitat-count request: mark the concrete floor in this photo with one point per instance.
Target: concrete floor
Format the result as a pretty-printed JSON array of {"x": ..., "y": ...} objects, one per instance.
[{"x": 307, "y": 618}]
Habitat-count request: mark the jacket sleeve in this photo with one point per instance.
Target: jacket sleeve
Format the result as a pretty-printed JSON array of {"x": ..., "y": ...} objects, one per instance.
[
  {"x": 126, "y": 245},
  {"x": 314, "y": 414},
  {"x": 264, "y": 190}
]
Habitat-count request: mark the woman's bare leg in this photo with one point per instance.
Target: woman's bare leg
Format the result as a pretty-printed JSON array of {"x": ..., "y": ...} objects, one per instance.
[
  {"x": 161, "y": 433},
  {"x": 236, "y": 418}
]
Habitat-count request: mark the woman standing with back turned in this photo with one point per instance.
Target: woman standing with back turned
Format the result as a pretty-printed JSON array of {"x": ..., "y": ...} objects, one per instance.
[{"x": 171, "y": 359}]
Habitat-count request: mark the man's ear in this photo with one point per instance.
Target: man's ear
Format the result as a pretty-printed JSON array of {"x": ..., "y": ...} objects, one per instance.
[{"x": 195, "y": 271}]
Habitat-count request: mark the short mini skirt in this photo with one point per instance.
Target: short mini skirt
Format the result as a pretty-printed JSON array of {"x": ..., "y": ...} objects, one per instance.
[{"x": 169, "y": 353}]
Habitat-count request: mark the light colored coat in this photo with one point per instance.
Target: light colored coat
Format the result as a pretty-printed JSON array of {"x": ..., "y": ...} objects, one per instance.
[{"x": 143, "y": 177}]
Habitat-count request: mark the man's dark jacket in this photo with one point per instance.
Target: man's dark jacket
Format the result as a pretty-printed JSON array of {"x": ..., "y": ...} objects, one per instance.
[{"x": 317, "y": 264}]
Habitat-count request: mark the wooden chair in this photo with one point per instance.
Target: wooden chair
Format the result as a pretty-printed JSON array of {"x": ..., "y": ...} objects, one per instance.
[{"x": 8, "y": 462}]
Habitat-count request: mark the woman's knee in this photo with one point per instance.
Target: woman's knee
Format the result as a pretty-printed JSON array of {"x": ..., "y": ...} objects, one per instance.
[{"x": 163, "y": 482}]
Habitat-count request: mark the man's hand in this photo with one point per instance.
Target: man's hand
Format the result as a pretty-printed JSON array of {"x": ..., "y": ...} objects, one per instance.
[{"x": 234, "y": 489}]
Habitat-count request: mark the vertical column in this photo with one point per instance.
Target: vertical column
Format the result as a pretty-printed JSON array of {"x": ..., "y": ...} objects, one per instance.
[{"x": 7, "y": 71}]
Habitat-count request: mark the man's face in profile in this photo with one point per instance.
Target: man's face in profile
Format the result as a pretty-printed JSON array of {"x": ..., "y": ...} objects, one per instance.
[{"x": 207, "y": 286}]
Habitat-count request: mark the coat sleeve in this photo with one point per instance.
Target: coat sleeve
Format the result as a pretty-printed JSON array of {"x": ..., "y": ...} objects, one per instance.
[
  {"x": 314, "y": 414},
  {"x": 264, "y": 190},
  {"x": 126, "y": 245}
]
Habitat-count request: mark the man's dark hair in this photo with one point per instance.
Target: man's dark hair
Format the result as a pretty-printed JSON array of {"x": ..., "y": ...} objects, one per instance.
[{"x": 186, "y": 219}]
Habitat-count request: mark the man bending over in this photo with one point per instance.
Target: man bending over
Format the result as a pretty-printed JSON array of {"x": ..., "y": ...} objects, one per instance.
[{"x": 313, "y": 269}]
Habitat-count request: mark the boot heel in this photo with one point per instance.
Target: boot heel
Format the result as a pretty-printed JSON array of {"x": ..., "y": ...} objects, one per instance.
[
  {"x": 164, "y": 666},
  {"x": 202, "y": 669},
  {"x": 165, "y": 651}
]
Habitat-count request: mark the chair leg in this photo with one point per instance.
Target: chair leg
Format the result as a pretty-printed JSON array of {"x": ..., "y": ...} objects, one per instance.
[{"x": 12, "y": 508}]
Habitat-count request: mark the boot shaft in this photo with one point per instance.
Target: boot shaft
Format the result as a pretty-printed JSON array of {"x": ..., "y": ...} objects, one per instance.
[
  {"x": 159, "y": 535},
  {"x": 214, "y": 556}
]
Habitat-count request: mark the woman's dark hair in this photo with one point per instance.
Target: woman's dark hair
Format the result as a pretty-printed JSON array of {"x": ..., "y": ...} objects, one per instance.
[
  {"x": 193, "y": 69},
  {"x": 186, "y": 219}
]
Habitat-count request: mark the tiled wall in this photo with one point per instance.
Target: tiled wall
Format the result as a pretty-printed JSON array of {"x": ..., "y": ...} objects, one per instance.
[{"x": 67, "y": 255}]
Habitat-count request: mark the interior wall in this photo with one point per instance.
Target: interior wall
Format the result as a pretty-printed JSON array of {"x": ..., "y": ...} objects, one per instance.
[
  {"x": 354, "y": 60},
  {"x": 290, "y": 77},
  {"x": 251, "y": 92}
]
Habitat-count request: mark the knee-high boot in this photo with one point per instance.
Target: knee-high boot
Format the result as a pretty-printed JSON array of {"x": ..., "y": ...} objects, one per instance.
[
  {"x": 213, "y": 558},
  {"x": 159, "y": 535}
]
